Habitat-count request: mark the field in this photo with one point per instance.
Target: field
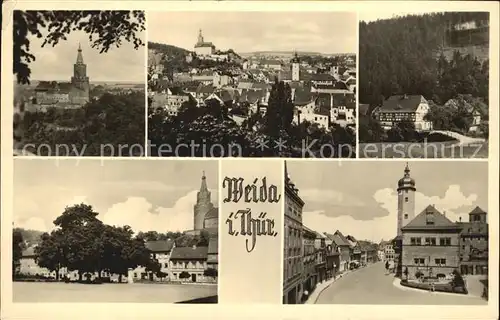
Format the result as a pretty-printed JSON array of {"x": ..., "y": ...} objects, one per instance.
[
  {"x": 422, "y": 150},
  {"x": 131, "y": 293}
]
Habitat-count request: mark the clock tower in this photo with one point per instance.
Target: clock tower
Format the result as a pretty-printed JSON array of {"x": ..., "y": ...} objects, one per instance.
[{"x": 406, "y": 199}]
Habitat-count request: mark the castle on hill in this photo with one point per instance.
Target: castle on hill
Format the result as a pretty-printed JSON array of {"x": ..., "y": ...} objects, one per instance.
[{"x": 76, "y": 92}]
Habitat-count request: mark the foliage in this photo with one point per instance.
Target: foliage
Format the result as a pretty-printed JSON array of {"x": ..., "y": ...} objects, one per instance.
[
  {"x": 107, "y": 123},
  {"x": 105, "y": 29},
  {"x": 184, "y": 275},
  {"x": 458, "y": 280},
  {"x": 17, "y": 250},
  {"x": 370, "y": 130},
  {"x": 82, "y": 242},
  {"x": 400, "y": 56},
  {"x": 418, "y": 274},
  {"x": 30, "y": 237}
]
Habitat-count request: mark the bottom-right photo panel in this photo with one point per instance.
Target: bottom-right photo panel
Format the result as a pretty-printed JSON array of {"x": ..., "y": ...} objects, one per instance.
[{"x": 386, "y": 232}]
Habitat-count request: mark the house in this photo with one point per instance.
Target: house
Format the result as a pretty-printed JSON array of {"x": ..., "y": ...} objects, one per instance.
[
  {"x": 338, "y": 87},
  {"x": 341, "y": 107},
  {"x": 171, "y": 100},
  {"x": 475, "y": 107},
  {"x": 213, "y": 252},
  {"x": 355, "y": 249},
  {"x": 190, "y": 262},
  {"x": 308, "y": 259},
  {"x": 474, "y": 244},
  {"x": 344, "y": 249},
  {"x": 272, "y": 64},
  {"x": 321, "y": 260},
  {"x": 220, "y": 79},
  {"x": 160, "y": 250},
  {"x": 205, "y": 77},
  {"x": 430, "y": 245},
  {"x": 399, "y": 108},
  {"x": 293, "y": 263}
]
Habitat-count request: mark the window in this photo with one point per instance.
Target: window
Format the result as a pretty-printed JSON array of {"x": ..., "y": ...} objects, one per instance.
[
  {"x": 430, "y": 241},
  {"x": 406, "y": 199},
  {"x": 430, "y": 218},
  {"x": 419, "y": 261},
  {"x": 416, "y": 241},
  {"x": 406, "y": 215},
  {"x": 440, "y": 262},
  {"x": 445, "y": 241}
]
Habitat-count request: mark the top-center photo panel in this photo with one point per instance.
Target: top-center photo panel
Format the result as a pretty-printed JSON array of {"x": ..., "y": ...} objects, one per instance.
[{"x": 252, "y": 84}]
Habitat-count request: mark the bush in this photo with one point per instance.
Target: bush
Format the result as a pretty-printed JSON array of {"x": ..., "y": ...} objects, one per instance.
[
  {"x": 418, "y": 274},
  {"x": 184, "y": 275},
  {"x": 439, "y": 287}
]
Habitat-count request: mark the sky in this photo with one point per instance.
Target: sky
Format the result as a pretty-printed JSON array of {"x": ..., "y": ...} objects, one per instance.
[
  {"x": 324, "y": 32},
  {"x": 360, "y": 198},
  {"x": 146, "y": 195},
  {"x": 124, "y": 64}
]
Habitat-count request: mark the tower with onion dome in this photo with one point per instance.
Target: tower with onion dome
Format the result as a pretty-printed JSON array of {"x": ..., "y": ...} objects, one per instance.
[{"x": 406, "y": 199}]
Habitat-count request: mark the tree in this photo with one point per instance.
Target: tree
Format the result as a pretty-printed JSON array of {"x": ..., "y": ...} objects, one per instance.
[
  {"x": 184, "y": 275},
  {"x": 50, "y": 252},
  {"x": 279, "y": 114},
  {"x": 17, "y": 251},
  {"x": 105, "y": 29}
]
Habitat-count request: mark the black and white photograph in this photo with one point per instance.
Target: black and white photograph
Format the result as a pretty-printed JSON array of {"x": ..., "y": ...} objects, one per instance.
[
  {"x": 115, "y": 231},
  {"x": 424, "y": 79},
  {"x": 79, "y": 83},
  {"x": 404, "y": 234},
  {"x": 225, "y": 84}
]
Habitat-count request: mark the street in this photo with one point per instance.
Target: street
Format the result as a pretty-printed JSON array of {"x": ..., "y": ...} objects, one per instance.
[
  {"x": 131, "y": 293},
  {"x": 370, "y": 285}
]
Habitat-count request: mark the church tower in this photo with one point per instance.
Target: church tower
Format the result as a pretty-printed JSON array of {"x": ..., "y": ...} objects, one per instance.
[
  {"x": 80, "y": 82},
  {"x": 406, "y": 199},
  {"x": 203, "y": 204},
  {"x": 200, "y": 38},
  {"x": 295, "y": 68}
]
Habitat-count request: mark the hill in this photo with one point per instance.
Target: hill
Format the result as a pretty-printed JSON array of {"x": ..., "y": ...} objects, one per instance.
[
  {"x": 168, "y": 50},
  {"x": 30, "y": 237},
  {"x": 409, "y": 54}
]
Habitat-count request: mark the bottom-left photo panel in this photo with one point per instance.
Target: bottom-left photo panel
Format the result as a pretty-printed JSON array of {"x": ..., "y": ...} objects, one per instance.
[{"x": 115, "y": 230}]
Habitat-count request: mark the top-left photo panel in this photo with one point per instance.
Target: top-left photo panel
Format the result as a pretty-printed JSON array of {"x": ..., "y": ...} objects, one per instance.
[{"x": 79, "y": 83}]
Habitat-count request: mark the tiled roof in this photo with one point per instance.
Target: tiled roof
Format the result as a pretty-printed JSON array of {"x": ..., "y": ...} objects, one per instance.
[
  {"x": 322, "y": 77},
  {"x": 477, "y": 210},
  {"x": 402, "y": 103},
  {"x": 177, "y": 91},
  {"x": 245, "y": 84},
  {"x": 343, "y": 239},
  {"x": 205, "y": 89},
  {"x": 204, "y": 45},
  {"x": 213, "y": 213},
  {"x": 189, "y": 253},
  {"x": 440, "y": 220},
  {"x": 252, "y": 96},
  {"x": 160, "y": 245},
  {"x": 302, "y": 96}
]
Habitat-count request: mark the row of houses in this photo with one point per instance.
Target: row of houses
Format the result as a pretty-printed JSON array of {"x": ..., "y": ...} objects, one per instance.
[
  {"x": 311, "y": 257},
  {"x": 312, "y": 103},
  {"x": 173, "y": 262}
]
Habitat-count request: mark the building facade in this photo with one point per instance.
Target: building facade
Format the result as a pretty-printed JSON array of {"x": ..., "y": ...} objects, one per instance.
[
  {"x": 404, "y": 108},
  {"x": 430, "y": 245},
  {"x": 293, "y": 261},
  {"x": 474, "y": 244},
  {"x": 309, "y": 259},
  {"x": 203, "y": 48},
  {"x": 203, "y": 205}
]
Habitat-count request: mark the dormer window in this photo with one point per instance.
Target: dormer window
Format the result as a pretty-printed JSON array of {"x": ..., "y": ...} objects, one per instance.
[{"x": 429, "y": 219}]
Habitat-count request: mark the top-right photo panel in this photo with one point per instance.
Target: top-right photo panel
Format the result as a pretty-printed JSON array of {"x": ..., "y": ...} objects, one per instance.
[{"x": 423, "y": 85}]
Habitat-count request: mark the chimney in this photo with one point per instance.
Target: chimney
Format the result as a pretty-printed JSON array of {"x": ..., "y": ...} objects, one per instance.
[{"x": 459, "y": 219}]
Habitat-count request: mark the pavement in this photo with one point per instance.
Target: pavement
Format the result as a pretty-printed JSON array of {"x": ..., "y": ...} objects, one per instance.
[{"x": 371, "y": 285}]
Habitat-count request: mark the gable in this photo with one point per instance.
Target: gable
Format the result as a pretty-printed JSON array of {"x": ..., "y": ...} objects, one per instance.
[{"x": 430, "y": 214}]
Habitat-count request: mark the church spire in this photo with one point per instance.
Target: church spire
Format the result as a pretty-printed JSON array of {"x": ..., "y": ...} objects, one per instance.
[
  {"x": 79, "y": 57},
  {"x": 407, "y": 170},
  {"x": 203, "y": 187},
  {"x": 200, "y": 37}
]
